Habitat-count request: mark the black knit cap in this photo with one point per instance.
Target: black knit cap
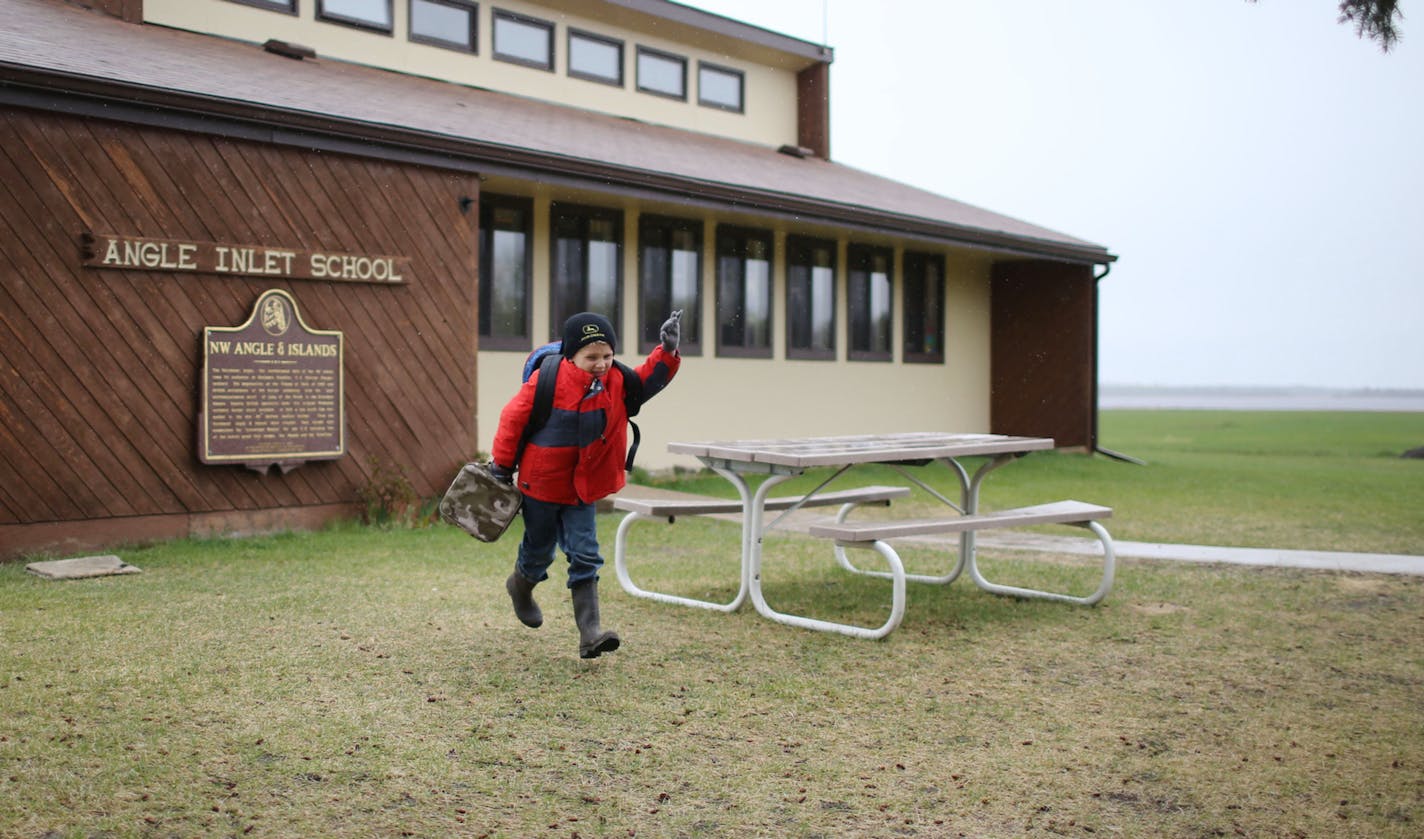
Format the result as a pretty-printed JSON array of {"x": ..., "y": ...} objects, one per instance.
[{"x": 586, "y": 328}]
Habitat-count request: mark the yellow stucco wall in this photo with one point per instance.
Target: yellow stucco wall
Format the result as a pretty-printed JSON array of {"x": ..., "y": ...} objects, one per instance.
[
  {"x": 721, "y": 398},
  {"x": 769, "y": 116}
]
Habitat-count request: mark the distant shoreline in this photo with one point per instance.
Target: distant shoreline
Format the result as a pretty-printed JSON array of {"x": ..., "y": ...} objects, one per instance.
[{"x": 1147, "y": 397}]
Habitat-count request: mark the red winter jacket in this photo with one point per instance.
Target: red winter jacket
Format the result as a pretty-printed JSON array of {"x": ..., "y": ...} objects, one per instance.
[{"x": 578, "y": 456}]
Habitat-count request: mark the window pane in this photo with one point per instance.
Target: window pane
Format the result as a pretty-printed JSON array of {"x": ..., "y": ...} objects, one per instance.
[
  {"x": 523, "y": 40},
  {"x": 934, "y": 308},
  {"x": 374, "y": 12},
  {"x": 924, "y": 308},
  {"x": 504, "y": 269},
  {"x": 823, "y": 323},
  {"x": 602, "y": 276},
  {"x": 601, "y": 229},
  {"x": 744, "y": 292},
  {"x": 758, "y": 303},
  {"x": 870, "y": 294},
  {"x": 595, "y": 57},
  {"x": 718, "y": 87},
  {"x": 586, "y": 264},
  {"x": 880, "y": 311},
  {"x": 664, "y": 74},
  {"x": 440, "y": 22},
  {"x": 914, "y": 302},
  {"x": 670, "y": 270},
  {"x": 567, "y": 291},
  {"x": 811, "y": 289},
  {"x": 654, "y": 267},
  {"x": 686, "y": 280},
  {"x": 730, "y": 297},
  {"x": 508, "y": 284}
]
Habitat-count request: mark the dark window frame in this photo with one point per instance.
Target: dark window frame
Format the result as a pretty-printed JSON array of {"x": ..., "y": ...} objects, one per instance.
[
  {"x": 859, "y": 265},
  {"x": 286, "y": 7},
  {"x": 740, "y": 236},
  {"x": 741, "y": 106},
  {"x": 355, "y": 22},
  {"x": 913, "y": 263},
  {"x": 472, "y": 6},
  {"x": 584, "y": 213},
  {"x": 798, "y": 252},
  {"x": 489, "y": 203},
  {"x": 650, "y": 321},
  {"x": 516, "y": 17},
  {"x": 657, "y": 53},
  {"x": 594, "y": 77}
]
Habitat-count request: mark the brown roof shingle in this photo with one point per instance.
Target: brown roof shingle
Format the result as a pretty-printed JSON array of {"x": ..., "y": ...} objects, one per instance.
[{"x": 57, "y": 47}]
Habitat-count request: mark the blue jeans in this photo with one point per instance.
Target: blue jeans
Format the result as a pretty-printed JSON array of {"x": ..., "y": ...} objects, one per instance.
[{"x": 571, "y": 527}]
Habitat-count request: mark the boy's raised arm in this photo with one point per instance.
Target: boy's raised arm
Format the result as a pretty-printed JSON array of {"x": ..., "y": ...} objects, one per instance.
[{"x": 658, "y": 369}]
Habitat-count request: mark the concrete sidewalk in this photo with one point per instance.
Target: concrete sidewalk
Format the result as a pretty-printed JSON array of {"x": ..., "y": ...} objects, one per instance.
[
  {"x": 1322, "y": 560},
  {"x": 1025, "y": 541}
]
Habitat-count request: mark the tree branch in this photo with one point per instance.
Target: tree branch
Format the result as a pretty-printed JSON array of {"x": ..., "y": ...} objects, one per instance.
[{"x": 1373, "y": 19}]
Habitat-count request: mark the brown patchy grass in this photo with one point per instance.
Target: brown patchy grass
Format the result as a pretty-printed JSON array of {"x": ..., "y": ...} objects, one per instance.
[{"x": 374, "y": 683}]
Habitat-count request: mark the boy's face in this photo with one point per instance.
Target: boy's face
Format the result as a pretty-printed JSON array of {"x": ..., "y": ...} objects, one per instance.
[{"x": 594, "y": 358}]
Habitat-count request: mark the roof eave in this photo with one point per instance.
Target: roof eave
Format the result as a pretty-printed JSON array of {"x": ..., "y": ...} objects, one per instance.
[{"x": 139, "y": 103}]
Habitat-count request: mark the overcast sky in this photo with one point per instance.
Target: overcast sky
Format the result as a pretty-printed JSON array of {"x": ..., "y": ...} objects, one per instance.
[{"x": 1256, "y": 167}]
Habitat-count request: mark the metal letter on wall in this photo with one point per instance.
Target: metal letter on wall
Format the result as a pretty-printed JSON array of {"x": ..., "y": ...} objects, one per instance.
[{"x": 273, "y": 390}]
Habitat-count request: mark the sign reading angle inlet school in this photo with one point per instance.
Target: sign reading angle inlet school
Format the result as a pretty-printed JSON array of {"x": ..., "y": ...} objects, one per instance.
[
  {"x": 137, "y": 253},
  {"x": 273, "y": 390}
]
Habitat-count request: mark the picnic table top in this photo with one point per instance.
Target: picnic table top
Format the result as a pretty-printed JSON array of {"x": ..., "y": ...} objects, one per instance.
[{"x": 861, "y": 448}]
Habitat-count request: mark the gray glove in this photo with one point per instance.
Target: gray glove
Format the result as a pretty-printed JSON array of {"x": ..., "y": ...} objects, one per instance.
[
  {"x": 500, "y": 473},
  {"x": 671, "y": 332}
]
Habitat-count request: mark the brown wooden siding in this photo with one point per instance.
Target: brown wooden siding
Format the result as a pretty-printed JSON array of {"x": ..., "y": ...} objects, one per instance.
[
  {"x": 100, "y": 369},
  {"x": 813, "y": 109},
  {"x": 1044, "y": 350}
]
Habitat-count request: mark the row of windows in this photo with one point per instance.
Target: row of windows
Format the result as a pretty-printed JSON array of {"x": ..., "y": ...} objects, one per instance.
[
  {"x": 529, "y": 41},
  {"x": 586, "y": 259}
]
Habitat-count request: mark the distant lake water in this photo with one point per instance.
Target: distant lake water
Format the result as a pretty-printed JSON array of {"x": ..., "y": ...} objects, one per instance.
[{"x": 1257, "y": 399}]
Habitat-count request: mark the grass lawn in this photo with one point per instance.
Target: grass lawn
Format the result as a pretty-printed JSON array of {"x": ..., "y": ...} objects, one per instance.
[{"x": 369, "y": 682}]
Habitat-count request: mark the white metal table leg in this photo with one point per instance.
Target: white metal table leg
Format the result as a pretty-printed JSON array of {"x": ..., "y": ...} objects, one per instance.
[
  {"x": 756, "y": 531},
  {"x": 620, "y": 566},
  {"x": 897, "y": 601},
  {"x": 1104, "y": 584},
  {"x": 752, "y": 533},
  {"x": 967, "y": 539},
  {"x": 969, "y": 501},
  {"x": 620, "y": 559}
]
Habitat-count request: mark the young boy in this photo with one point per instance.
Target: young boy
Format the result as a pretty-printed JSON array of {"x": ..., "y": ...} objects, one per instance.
[{"x": 574, "y": 460}]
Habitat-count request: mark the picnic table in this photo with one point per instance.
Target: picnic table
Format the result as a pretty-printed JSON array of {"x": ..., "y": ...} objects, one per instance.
[{"x": 782, "y": 459}]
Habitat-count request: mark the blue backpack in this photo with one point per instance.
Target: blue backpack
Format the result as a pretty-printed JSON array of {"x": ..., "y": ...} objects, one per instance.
[{"x": 546, "y": 360}]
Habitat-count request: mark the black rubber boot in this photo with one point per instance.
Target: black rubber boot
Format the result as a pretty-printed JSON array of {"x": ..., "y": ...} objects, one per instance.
[
  {"x": 593, "y": 641},
  {"x": 521, "y": 591}
]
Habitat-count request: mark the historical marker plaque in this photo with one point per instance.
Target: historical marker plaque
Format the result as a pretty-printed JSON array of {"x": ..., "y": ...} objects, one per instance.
[{"x": 273, "y": 390}]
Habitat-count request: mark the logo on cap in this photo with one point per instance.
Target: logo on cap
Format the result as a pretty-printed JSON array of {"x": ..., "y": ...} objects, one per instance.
[{"x": 591, "y": 329}]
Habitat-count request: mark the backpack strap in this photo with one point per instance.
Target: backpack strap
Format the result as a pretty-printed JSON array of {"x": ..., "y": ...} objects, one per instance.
[
  {"x": 632, "y": 388},
  {"x": 632, "y": 403},
  {"x": 543, "y": 402}
]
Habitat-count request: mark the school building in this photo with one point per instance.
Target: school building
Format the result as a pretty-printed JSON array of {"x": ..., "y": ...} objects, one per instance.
[{"x": 257, "y": 256}]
